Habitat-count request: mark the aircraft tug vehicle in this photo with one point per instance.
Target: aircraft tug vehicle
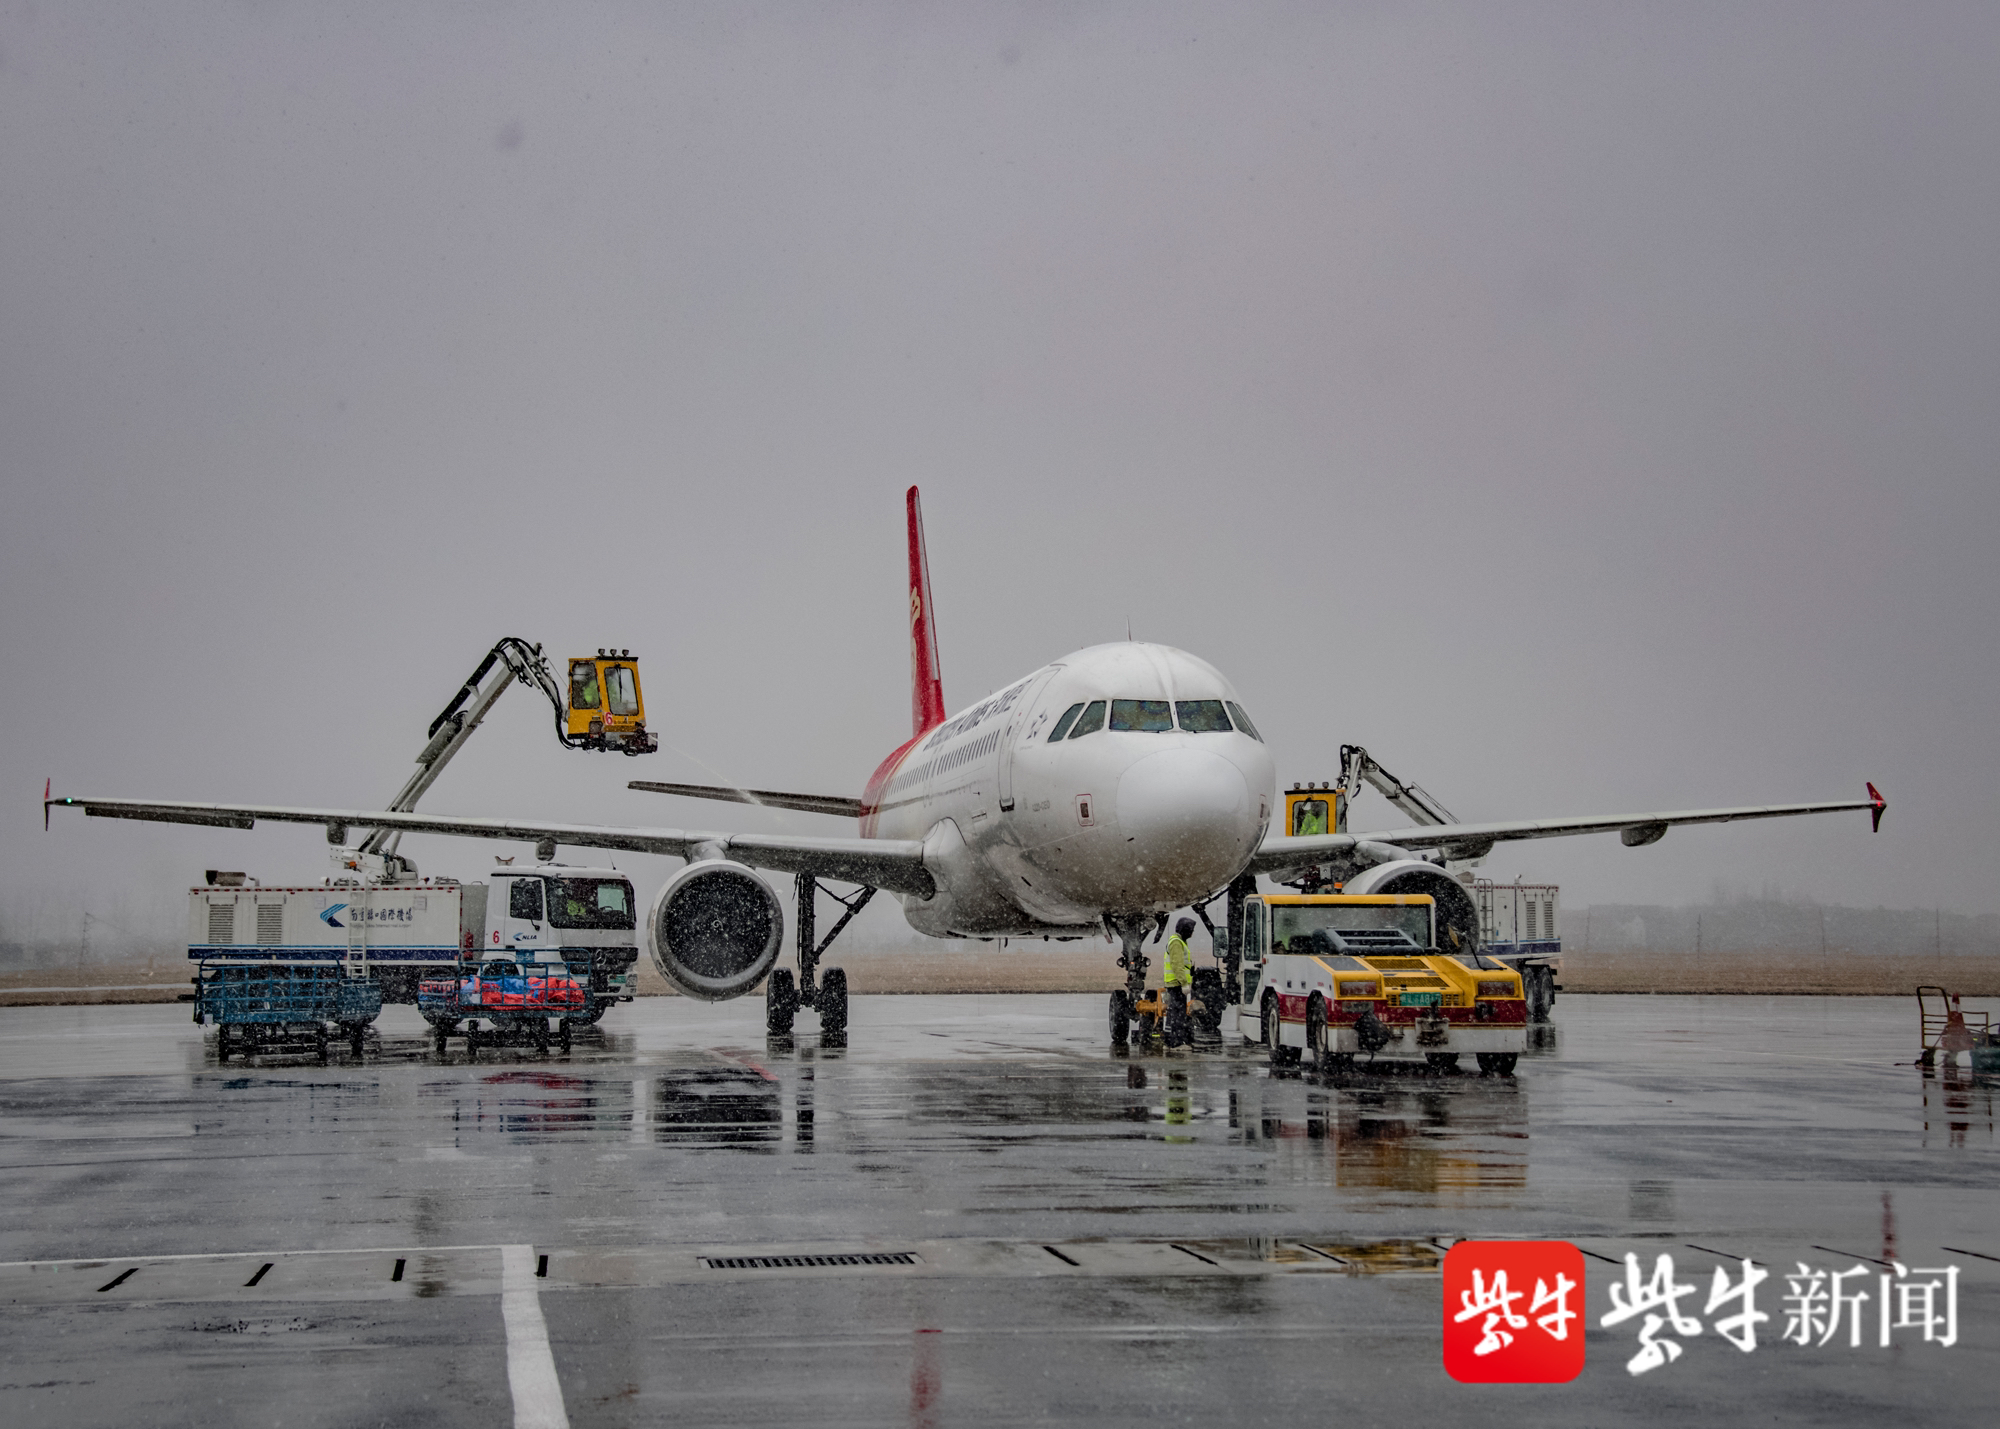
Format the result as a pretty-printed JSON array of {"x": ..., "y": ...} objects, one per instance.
[{"x": 1336, "y": 977}]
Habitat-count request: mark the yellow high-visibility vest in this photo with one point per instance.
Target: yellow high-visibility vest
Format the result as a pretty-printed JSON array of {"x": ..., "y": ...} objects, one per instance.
[{"x": 1180, "y": 963}]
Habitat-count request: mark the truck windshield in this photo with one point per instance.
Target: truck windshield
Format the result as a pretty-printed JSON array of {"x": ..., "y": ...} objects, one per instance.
[
  {"x": 620, "y": 690},
  {"x": 1293, "y": 923},
  {"x": 590, "y": 903},
  {"x": 583, "y": 685}
]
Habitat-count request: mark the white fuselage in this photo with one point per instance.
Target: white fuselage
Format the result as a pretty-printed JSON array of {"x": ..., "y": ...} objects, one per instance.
[{"x": 1026, "y": 835}]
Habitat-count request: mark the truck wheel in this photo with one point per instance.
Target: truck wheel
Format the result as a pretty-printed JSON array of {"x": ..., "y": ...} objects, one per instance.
[
  {"x": 1442, "y": 1061},
  {"x": 833, "y": 1007},
  {"x": 781, "y": 1003},
  {"x": 1281, "y": 1055},
  {"x": 1121, "y": 1018},
  {"x": 1316, "y": 1048},
  {"x": 1539, "y": 982},
  {"x": 598, "y": 1009},
  {"x": 1498, "y": 1064}
]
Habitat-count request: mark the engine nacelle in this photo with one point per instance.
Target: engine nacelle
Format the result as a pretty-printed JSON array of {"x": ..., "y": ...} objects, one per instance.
[
  {"x": 715, "y": 929},
  {"x": 1457, "y": 914}
]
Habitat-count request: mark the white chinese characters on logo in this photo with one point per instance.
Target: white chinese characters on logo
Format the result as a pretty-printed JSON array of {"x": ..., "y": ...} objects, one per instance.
[
  {"x": 1739, "y": 1329},
  {"x": 1819, "y": 1306},
  {"x": 1917, "y": 1303},
  {"x": 1496, "y": 1303},
  {"x": 1637, "y": 1297}
]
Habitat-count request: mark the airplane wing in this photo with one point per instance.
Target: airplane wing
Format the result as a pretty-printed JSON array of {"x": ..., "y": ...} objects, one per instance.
[
  {"x": 770, "y": 798},
  {"x": 894, "y": 864},
  {"x": 1280, "y": 855}
]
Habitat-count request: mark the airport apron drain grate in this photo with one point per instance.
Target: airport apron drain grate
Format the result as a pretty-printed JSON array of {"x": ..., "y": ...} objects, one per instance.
[{"x": 795, "y": 1262}]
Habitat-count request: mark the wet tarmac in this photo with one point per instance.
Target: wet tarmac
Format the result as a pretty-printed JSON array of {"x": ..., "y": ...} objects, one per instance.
[{"x": 972, "y": 1214}]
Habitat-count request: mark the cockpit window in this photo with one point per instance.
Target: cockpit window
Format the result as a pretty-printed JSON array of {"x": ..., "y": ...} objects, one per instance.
[
  {"x": 1091, "y": 721},
  {"x": 1202, "y": 716},
  {"x": 1243, "y": 721},
  {"x": 1063, "y": 724},
  {"x": 1146, "y": 716}
]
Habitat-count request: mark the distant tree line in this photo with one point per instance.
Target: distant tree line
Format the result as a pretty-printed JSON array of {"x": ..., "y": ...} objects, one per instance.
[{"x": 1773, "y": 925}]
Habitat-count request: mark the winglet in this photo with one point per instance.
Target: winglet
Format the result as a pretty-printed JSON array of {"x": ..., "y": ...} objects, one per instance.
[
  {"x": 1881, "y": 806},
  {"x": 926, "y": 686}
]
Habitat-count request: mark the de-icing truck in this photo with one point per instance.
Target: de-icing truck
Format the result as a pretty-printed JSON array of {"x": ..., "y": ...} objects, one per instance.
[{"x": 397, "y": 934}]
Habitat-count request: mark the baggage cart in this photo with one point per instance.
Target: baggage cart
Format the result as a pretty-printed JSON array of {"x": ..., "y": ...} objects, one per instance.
[
  {"x": 520, "y": 1001},
  {"x": 283, "y": 1007}
]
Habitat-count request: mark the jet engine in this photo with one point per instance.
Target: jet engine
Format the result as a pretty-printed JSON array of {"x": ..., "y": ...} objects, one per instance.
[
  {"x": 1457, "y": 915},
  {"x": 715, "y": 929}
]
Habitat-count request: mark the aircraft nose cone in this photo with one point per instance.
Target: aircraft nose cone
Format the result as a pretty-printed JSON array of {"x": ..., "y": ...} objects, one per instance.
[{"x": 1187, "y": 816}]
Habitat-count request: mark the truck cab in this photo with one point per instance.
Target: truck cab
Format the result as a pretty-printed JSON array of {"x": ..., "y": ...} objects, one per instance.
[{"x": 583, "y": 919}]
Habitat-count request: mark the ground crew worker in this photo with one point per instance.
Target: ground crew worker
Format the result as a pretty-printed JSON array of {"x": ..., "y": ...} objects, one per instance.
[
  {"x": 1312, "y": 817},
  {"x": 1178, "y": 982}
]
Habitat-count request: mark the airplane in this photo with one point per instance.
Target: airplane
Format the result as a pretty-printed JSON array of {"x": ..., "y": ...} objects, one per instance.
[{"x": 1090, "y": 797}]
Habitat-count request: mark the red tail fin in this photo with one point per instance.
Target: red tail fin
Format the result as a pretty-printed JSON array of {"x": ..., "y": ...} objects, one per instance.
[{"x": 926, "y": 689}]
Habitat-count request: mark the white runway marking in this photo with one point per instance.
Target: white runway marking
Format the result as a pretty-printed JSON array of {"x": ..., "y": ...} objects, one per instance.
[{"x": 531, "y": 1367}]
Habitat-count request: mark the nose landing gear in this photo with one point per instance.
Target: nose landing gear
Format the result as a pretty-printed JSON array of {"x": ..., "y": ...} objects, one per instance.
[{"x": 1131, "y": 931}]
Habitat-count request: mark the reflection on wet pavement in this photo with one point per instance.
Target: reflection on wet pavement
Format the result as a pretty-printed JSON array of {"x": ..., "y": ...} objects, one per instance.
[{"x": 1097, "y": 1218}]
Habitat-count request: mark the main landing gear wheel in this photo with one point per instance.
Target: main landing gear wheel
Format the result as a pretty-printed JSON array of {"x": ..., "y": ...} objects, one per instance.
[
  {"x": 1121, "y": 1019},
  {"x": 781, "y": 1003},
  {"x": 833, "y": 1008},
  {"x": 1499, "y": 1064}
]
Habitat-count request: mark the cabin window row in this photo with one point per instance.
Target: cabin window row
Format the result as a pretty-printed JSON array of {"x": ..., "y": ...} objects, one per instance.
[{"x": 1153, "y": 717}]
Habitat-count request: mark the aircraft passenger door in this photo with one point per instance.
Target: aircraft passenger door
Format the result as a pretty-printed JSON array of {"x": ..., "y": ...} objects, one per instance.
[{"x": 1024, "y": 722}]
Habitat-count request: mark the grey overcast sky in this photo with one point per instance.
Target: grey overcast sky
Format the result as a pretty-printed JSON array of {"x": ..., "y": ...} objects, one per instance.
[{"x": 1589, "y": 408}]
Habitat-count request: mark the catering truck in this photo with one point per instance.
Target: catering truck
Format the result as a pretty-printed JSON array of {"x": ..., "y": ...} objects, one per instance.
[{"x": 394, "y": 935}]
